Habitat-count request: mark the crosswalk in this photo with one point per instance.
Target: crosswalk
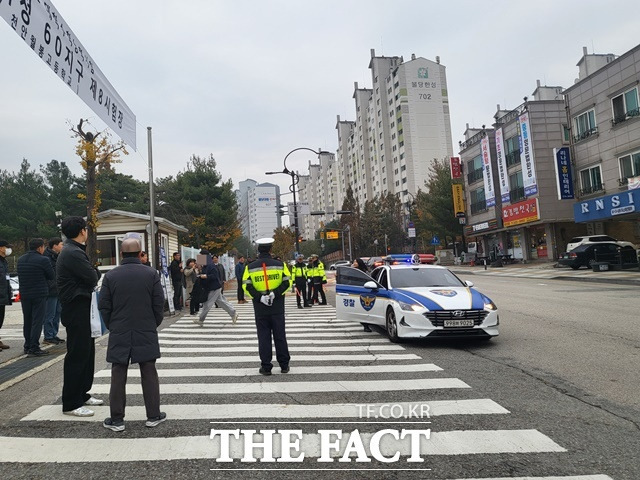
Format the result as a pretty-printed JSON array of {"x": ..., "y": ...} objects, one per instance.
[{"x": 209, "y": 375}]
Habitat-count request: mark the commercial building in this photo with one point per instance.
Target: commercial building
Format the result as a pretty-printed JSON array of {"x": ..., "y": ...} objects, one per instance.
[
  {"x": 258, "y": 208},
  {"x": 511, "y": 184},
  {"x": 604, "y": 115}
]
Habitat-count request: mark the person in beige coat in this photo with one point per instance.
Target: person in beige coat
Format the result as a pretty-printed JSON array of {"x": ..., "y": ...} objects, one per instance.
[{"x": 191, "y": 272}]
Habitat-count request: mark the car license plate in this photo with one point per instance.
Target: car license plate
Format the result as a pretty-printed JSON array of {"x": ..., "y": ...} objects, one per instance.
[{"x": 458, "y": 323}]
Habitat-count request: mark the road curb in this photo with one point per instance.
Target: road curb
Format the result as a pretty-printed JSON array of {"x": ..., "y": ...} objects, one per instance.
[{"x": 617, "y": 281}]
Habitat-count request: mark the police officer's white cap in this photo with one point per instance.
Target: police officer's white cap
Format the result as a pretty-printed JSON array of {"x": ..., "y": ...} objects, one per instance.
[
  {"x": 265, "y": 241},
  {"x": 314, "y": 255}
]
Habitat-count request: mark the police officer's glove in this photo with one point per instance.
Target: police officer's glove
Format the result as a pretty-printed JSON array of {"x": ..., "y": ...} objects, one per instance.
[
  {"x": 265, "y": 299},
  {"x": 272, "y": 296},
  {"x": 309, "y": 280}
]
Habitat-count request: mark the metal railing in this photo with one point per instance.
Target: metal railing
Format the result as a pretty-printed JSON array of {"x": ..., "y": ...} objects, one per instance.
[
  {"x": 474, "y": 176},
  {"x": 512, "y": 158},
  {"x": 478, "y": 207},
  {"x": 516, "y": 194},
  {"x": 585, "y": 134},
  {"x": 598, "y": 187},
  {"x": 623, "y": 118}
]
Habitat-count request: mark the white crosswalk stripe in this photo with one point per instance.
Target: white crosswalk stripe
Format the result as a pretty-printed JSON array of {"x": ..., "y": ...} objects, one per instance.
[{"x": 219, "y": 362}]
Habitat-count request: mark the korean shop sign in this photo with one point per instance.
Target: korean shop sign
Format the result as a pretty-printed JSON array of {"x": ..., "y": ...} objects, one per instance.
[{"x": 521, "y": 212}]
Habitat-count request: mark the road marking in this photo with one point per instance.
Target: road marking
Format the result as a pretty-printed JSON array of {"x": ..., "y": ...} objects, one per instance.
[
  {"x": 253, "y": 372},
  {"x": 482, "y": 406},
  {"x": 352, "y": 348},
  {"x": 252, "y": 335},
  {"x": 298, "y": 358},
  {"x": 293, "y": 387},
  {"x": 75, "y": 450},
  {"x": 570, "y": 477},
  {"x": 291, "y": 341}
]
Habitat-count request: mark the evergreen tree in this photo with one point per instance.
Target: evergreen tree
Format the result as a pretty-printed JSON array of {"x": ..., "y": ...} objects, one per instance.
[{"x": 64, "y": 189}]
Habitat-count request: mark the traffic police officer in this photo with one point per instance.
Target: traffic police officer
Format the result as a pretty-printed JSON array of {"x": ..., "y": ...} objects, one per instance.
[
  {"x": 266, "y": 280},
  {"x": 319, "y": 278},
  {"x": 299, "y": 276}
]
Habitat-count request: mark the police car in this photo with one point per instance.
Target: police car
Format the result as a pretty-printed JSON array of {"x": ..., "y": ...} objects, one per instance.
[{"x": 414, "y": 301}]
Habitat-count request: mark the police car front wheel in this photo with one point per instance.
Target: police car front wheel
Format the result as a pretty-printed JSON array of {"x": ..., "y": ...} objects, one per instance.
[{"x": 392, "y": 326}]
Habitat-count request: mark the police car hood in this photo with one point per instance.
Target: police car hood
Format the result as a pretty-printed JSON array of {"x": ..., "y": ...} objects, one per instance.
[{"x": 443, "y": 298}]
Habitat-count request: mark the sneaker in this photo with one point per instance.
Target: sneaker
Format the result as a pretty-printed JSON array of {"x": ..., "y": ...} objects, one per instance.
[
  {"x": 285, "y": 369},
  {"x": 3, "y": 346},
  {"x": 50, "y": 341},
  {"x": 94, "y": 402},
  {"x": 264, "y": 371},
  {"x": 37, "y": 353},
  {"x": 235, "y": 317},
  {"x": 197, "y": 321},
  {"x": 155, "y": 421},
  {"x": 59, "y": 339},
  {"x": 80, "y": 412},
  {"x": 111, "y": 424}
]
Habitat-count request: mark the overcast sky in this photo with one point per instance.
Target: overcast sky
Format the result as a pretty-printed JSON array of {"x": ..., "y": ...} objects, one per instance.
[{"x": 248, "y": 81}]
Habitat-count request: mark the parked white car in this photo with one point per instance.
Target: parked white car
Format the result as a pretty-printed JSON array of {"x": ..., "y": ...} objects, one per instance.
[
  {"x": 340, "y": 263},
  {"x": 588, "y": 239}
]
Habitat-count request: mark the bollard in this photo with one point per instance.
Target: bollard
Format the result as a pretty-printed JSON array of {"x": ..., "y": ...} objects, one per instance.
[{"x": 485, "y": 263}]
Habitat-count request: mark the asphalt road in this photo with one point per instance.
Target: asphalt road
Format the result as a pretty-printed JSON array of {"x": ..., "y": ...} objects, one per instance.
[{"x": 560, "y": 387}]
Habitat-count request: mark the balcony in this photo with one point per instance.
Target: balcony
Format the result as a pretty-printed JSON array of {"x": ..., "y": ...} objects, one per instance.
[
  {"x": 478, "y": 207},
  {"x": 512, "y": 158},
  {"x": 623, "y": 181},
  {"x": 623, "y": 118},
  {"x": 586, "y": 134},
  {"x": 598, "y": 187},
  {"x": 516, "y": 194},
  {"x": 474, "y": 176}
]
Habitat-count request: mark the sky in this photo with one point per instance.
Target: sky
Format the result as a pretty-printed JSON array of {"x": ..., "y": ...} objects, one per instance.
[{"x": 250, "y": 80}]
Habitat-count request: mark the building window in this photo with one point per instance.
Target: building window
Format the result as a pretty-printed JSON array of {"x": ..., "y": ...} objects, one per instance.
[
  {"x": 591, "y": 180},
  {"x": 478, "y": 203},
  {"x": 395, "y": 171},
  {"x": 403, "y": 168},
  {"x": 629, "y": 167},
  {"x": 585, "y": 125},
  {"x": 397, "y": 183},
  {"x": 404, "y": 180},
  {"x": 625, "y": 106},
  {"x": 401, "y": 155},
  {"x": 566, "y": 133},
  {"x": 516, "y": 193},
  {"x": 474, "y": 167},
  {"x": 512, "y": 150}
]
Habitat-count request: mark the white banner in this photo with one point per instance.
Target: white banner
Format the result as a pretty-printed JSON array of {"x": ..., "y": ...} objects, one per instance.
[
  {"x": 44, "y": 30},
  {"x": 503, "y": 175},
  {"x": 487, "y": 173},
  {"x": 526, "y": 157}
]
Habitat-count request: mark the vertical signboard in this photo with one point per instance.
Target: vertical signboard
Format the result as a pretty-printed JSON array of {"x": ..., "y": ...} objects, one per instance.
[
  {"x": 456, "y": 171},
  {"x": 526, "y": 157},
  {"x": 45, "y": 32},
  {"x": 458, "y": 200},
  {"x": 487, "y": 173},
  {"x": 503, "y": 175},
  {"x": 564, "y": 178}
]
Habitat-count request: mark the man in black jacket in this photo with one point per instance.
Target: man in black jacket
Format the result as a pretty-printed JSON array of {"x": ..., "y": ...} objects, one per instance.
[
  {"x": 52, "y": 317},
  {"x": 175, "y": 269},
  {"x": 131, "y": 304},
  {"x": 76, "y": 279},
  {"x": 35, "y": 272},
  {"x": 5, "y": 286},
  {"x": 211, "y": 276}
]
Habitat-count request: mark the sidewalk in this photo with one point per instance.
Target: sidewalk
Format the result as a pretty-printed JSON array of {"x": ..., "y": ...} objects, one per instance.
[{"x": 549, "y": 271}]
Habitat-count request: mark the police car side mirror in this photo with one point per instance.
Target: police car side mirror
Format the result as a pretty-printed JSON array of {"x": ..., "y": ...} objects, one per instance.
[
  {"x": 469, "y": 283},
  {"x": 371, "y": 285}
]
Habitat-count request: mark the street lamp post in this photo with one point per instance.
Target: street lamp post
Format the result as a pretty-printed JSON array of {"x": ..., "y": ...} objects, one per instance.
[
  {"x": 409, "y": 207},
  {"x": 294, "y": 181}
]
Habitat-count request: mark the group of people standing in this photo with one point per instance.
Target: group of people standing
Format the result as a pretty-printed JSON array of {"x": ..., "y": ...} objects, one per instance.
[{"x": 308, "y": 280}]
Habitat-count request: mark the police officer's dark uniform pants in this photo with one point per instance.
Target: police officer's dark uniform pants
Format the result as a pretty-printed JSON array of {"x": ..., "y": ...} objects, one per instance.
[
  {"x": 81, "y": 353},
  {"x": 150, "y": 389},
  {"x": 317, "y": 288},
  {"x": 266, "y": 324},
  {"x": 301, "y": 293},
  {"x": 310, "y": 293}
]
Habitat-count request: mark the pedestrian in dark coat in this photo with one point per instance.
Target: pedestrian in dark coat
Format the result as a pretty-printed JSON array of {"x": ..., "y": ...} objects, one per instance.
[
  {"x": 131, "y": 304},
  {"x": 239, "y": 271},
  {"x": 54, "y": 308},
  {"x": 6, "y": 293},
  {"x": 76, "y": 278},
  {"x": 35, "y": 273}
]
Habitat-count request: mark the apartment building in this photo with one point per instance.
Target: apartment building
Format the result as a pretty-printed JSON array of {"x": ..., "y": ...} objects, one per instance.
[
  {"x": 257, "y": 208},
  {"x": 604, "y": 117}
]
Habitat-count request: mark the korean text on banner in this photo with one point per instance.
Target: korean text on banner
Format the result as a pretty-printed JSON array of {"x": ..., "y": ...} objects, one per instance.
[
  {"x": 458, "y": 199},
  {"x": 44, "y": 30},
  {"x": 564, "y": 179},
  {"x": 526, "y": 157},
  {"x": 503, "y": 175},
  {"x": 456, "y": 171},
  {"x": 487, "y": 173},
  {"x": 521, "y": 212}
]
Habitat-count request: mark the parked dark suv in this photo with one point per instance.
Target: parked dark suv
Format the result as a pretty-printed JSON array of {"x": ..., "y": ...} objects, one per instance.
[{"x": 587, "y": 254}]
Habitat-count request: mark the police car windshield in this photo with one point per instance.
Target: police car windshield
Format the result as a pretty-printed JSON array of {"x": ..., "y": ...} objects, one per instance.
[{"x": 424, "y": 277}]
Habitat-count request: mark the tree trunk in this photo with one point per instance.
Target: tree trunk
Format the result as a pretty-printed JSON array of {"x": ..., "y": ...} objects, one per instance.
[{"x": 92, "y": 239}]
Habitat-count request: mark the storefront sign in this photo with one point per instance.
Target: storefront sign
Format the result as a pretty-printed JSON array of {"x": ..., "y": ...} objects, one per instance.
[
  {"x": 49, "y": 36},
  {"x": 481, "y": 227},
  {"x": 487, "y": 173},
  {"x": 503, "y": 175},
  {"x": 564, "y": 179},
  {"x": 526, "y": 157},
  {"x": 458, "y": 199},
  {"x": 521, "y": 212},
  {"x": 456, "y": 171},
  {"x": 607, "y": 207}
]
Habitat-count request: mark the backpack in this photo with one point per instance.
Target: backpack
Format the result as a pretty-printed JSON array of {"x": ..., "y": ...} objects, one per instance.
[{"x": 199, "y": 293}]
